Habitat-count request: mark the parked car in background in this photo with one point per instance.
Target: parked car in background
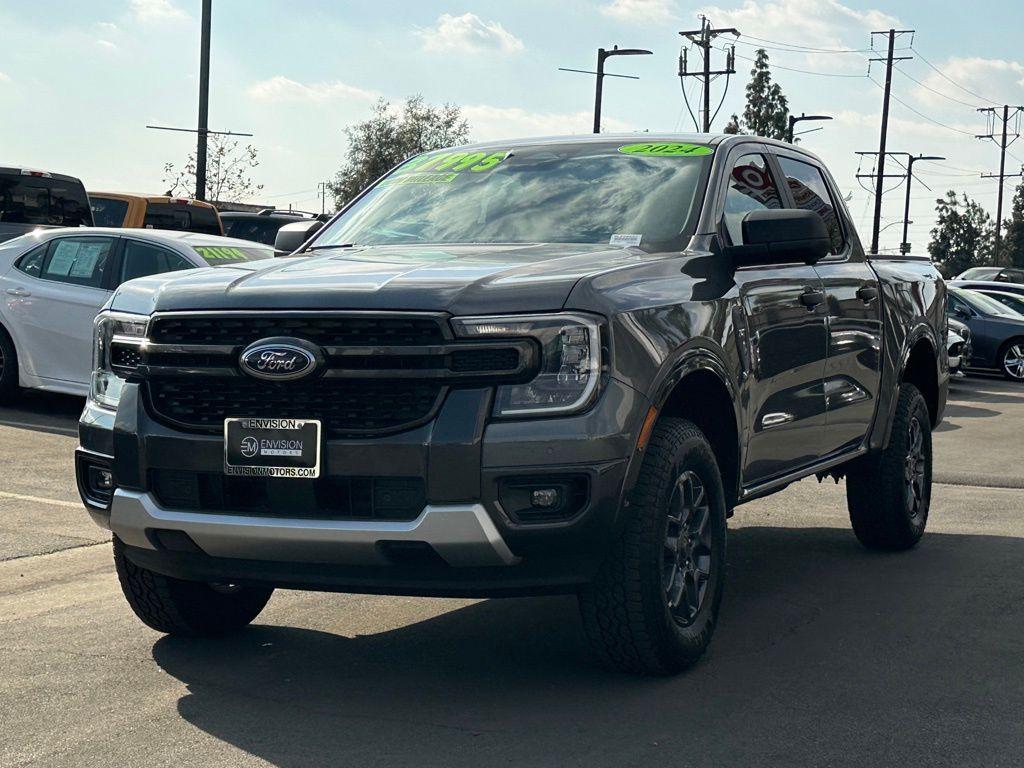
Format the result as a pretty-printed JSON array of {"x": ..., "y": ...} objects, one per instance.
[
  {"x": 117, "y": 209},
  {"x": 989, "y": 285},
  {"x": 958, "y": 346},
  {"x": 30, "y": 199},
  {"x": 997, "y": 332},
  {"x": 996, "y": 274},
  {"x": 1014, "y": 301},
  {"x": 262, "y": 227},
  {"x": 53, "y": 282}
]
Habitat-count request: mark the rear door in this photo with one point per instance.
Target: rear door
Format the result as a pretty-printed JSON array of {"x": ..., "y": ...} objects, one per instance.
[
  {"x": 53, "y": 299},
  {"x": 783, "y": 306},
  {"x": 141, "y": 259},
  {"x": 854, "y": 366}
]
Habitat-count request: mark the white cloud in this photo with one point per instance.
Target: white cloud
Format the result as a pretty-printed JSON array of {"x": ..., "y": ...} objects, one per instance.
[
  {"x": 106, "y": 26},
  {"x": 640, "y": 11},
  {"x": 488, "y": 122},
  {"x": 468, "y": 33},
  {"x": 106, "y": 45},
  {"x": 985, "y": 77},
  {"x": 808, "y": 23},
  {"x": 156, "y": 11},
  {"x": 281, "y": 88},
  {"x": 4, "y": 78}
]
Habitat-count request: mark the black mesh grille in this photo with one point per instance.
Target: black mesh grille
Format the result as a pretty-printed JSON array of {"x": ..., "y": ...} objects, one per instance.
[
  {"x": 325, "y": 330},
  {"x": 331, "y": 498},
  {"x": 344, "y": 406},
  {"x": 469, "y": 360}
]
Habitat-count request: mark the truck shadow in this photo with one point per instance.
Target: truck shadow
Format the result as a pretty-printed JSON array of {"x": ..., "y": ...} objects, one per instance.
[{"x": 826, "y": 654}]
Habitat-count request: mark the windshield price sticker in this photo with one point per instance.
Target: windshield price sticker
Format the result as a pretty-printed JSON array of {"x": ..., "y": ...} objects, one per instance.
[
  {"x": 220, "y": 253},
  {"x": 454, "y": 162},
  {"x": 666, "y": 149},
  {"x": 626, "y": 241},
  {"x": 421, "y": 178}
]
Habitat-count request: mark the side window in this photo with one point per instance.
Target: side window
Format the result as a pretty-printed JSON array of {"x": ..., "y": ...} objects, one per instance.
[
  {"x": 32, "y": 262},
  {"x": 78, "y": 260},
  {"x": 811, "y": 192},
  {"x": 142, "y": 259},
  {"x": 751, "y": 188}
]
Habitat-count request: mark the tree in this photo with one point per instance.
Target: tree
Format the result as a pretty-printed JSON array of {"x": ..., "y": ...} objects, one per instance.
[
  {"x": 388, "y": 137},
  {"x": 1013, "y": 235},
  {"x": 767, "y": 110},
  {"x": 963, "y": 235},
  {"x": 227, "y": 171}
]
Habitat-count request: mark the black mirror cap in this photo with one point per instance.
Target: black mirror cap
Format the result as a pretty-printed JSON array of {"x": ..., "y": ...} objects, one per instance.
[
  {"x": 291, "y": 236},
  {"x": 782, "y": 236}
]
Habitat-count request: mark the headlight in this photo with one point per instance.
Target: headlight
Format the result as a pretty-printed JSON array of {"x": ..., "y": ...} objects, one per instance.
[
  {"x": 570, "y": 367},
  {"x": 105, "y": 389}
]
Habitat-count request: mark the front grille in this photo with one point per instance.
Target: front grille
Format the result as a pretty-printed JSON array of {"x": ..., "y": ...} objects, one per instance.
[
  {"x": 326, "y": 498},
  {"x": 345, "y": 406},
  {"x": 325, "y": 330}
]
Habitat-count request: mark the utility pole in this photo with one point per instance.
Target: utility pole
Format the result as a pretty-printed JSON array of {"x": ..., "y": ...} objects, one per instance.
[
  {"x": 202, "y": 130},
  {"x": 908, "y": 176},
  {"x": 793, "y": 120},
  {"x": 321, "y": 189},
  {"x": 1004, "y": 142},
  {"x": 204, "y": 100},
  {"x": 702, "y": 38},
  {"x": 889, "y": 59},
  {"x": 602, "y": 56}
]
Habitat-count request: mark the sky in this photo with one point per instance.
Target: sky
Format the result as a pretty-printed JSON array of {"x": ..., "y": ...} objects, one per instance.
[{"x": 80, "y": 81}]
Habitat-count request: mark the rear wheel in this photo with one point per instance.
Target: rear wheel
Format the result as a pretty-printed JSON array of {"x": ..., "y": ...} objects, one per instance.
[
  {"x": 191, "y": 608},
  {"x": 653, "y": 607},
  {"x": 8, "y": 368},
  {"x": 889, "y": 493},
  {"x": 1012, "y": 360}
]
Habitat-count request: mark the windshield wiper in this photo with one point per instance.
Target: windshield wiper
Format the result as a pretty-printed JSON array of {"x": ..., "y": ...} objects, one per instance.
[{"x": 325, "y": 247}]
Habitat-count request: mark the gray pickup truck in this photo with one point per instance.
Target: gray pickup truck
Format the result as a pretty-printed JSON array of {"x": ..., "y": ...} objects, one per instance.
[{"x": 538, "y": 366}]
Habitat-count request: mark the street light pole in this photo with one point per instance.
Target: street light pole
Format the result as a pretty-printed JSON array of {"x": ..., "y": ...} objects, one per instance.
[
  {"x": 904, "y": 245},
  {"x": 204, "y": 101},
  {"x": 793, "y": 120},
  {"x": 602, "y": 55}
]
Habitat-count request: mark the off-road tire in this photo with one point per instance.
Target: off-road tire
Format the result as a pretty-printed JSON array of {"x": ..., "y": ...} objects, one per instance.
[
  {"x": 626, "y": 613},
  {"x": 189, "y": 608},
  {"x": 8, "y": 368},
  {"x": 877, "y": 491}
]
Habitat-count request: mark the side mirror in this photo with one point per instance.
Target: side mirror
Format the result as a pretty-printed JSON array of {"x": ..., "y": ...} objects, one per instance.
[
  {"x": 291, "y": 236},
  {"x": 781, "y": 236}
]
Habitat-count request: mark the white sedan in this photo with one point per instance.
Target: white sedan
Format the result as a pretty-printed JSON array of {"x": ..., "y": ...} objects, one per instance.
[{"x": 54, "y": 281}]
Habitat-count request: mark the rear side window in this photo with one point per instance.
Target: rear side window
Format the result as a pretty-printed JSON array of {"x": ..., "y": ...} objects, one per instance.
[
  {"x": 810, "y": 192},
  {"x": 257, "y": 230},
  {"x": 42, "y": 200},
  {"x": 142, "y": 259},
  {"x": 108, "y": 211},
  {"x": 751, "y": 188},
  {"x": 78, "y": 260},
  {"x": 182, "y": 217},
  {"x": 32, "y": 262}
]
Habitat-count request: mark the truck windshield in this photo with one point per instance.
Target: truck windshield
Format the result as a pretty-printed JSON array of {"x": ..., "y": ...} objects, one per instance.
[
  {"x": 27, "y": 199},
  {"x": 642, "y": 194}
]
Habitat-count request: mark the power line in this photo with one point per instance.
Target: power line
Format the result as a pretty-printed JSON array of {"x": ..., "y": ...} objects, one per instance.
[
  {"x": 802, "y": 71},
  {"x": 702, "y": 38},
  {"x": 937, "y": 93},
  {"x": 922, "y": 114},
  {"x": 811, "y": 49},
  {"x": 1005, "y": 140},
  {"x": 946, "y": 77}
]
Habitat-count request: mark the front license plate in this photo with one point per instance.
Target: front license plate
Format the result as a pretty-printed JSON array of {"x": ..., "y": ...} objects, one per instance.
[{"x": 272, "y": 447}]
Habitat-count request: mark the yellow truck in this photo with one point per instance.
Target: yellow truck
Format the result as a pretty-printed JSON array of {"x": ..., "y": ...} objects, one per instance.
[{"x": 117, "y": 209}]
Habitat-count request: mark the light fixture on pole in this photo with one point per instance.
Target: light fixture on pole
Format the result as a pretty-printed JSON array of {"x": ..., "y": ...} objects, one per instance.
[
  {"x": 602, "y": 55},
  {"x": 794, "y": 119}
]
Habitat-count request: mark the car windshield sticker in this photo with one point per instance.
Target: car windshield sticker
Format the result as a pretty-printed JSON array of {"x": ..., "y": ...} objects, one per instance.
[
  {"x": 625, "y": 240},
  {"x": 421, "y": 178},
  {"x": 446, "y": 166},
  {"x": 213, "y": 253},
  {"x": 666, "y": 149}
]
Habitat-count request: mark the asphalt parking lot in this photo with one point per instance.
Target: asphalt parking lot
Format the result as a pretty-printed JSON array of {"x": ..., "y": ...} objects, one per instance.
[{"x": 826, "y": 654}]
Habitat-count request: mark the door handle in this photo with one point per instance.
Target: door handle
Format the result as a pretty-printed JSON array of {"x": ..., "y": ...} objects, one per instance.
[
  {"x": 811, "y": 298},
  {"x": 18, "y": 292},
  {"x": 867, "y": 293}
]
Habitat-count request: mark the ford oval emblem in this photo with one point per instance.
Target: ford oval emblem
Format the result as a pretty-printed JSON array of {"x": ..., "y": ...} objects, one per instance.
[{"x": 280, "y": 359}]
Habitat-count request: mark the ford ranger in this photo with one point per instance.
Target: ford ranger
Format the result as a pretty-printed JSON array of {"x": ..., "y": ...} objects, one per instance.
[{"x": 530, "y": 367}]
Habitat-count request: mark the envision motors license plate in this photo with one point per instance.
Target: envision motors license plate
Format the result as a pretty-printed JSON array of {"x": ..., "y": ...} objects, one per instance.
[{"x": 272, "y": 447}]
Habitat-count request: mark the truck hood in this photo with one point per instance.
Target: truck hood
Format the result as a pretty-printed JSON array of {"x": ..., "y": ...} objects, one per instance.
[{"x": 460, "y": 279}]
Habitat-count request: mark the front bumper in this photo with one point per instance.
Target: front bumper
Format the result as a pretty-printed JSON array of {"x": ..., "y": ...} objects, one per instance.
[{"x": 462, "y": 542}]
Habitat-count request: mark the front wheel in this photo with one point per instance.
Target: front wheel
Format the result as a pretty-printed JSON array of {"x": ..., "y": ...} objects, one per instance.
[
  {"x": 653, "y": 607},
  {"x": 1012, "y": 360},
  {"x": 8, "y": 368},
  {"x": 889, "y": 493},
  {"x": 191, "y": 608}
]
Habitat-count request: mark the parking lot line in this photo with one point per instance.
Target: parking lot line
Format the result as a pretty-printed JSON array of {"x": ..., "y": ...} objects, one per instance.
[{"x": 40, "y": 499}]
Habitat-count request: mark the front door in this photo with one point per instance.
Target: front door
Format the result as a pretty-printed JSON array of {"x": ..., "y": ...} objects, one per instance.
[
  {"x": 784, "y": 311},
  {"x": 854, "y": 367}
]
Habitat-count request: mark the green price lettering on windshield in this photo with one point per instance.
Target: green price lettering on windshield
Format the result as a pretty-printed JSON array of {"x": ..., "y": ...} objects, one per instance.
[
  {"x": 220, "y": 253},
  {"x": 475, "y": 162},
  {"x": 666, "y": 149}
]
